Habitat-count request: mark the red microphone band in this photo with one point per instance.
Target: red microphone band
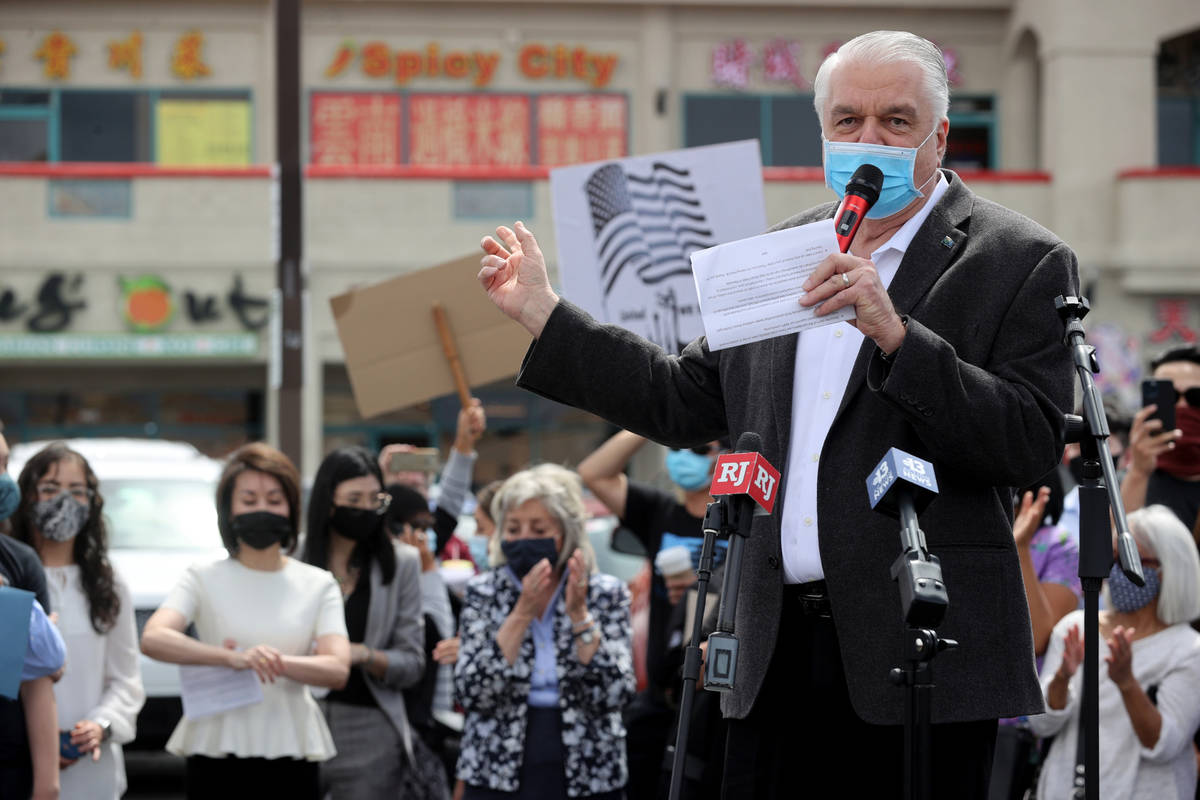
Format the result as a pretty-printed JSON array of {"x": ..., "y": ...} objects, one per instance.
[{"x": 849, "y": 216}]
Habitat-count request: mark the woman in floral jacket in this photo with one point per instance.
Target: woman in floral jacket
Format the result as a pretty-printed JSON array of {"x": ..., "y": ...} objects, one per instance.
[{"x": 545, "y": 665}]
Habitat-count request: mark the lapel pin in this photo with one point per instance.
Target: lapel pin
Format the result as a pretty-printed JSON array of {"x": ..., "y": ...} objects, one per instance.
[{"x": 947, "y": 242}]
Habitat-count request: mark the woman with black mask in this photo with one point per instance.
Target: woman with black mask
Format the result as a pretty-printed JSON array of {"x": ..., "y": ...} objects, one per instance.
[
  {"x": 379, "y": 579},
  {"x": 258, "y": 609}
]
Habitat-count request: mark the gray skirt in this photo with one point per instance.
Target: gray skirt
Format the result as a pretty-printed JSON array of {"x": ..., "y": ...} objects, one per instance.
[{"x": 370, "y": 761}]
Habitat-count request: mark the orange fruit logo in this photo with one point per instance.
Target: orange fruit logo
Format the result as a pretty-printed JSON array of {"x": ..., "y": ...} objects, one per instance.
[{"x": 146, "y": 305}]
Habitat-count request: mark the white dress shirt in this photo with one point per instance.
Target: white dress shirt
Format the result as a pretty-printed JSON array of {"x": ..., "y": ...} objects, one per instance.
[{"x": 824, "y": 358}]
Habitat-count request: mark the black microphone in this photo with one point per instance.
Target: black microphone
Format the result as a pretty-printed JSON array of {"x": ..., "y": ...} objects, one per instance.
[
  {"x": 861, "y": 193},
  {"x": 901, "y": 486},
  {"x": 749, "y": 486}
]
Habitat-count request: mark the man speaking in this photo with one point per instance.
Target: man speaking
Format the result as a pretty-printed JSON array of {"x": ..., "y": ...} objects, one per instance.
[{"x": 955, "y": 356}]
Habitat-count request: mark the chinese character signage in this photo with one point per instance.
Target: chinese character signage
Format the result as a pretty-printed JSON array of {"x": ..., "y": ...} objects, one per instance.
[
  {"x": 734, "y": 61},
  {"x": 479, "y": 130},
  {"x": 572, "y": 129},
  {"x": 355, "y": 129}
]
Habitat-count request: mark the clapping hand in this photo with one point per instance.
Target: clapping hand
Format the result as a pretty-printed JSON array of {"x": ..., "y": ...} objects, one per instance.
[
  {"x": 1120, "y": 657},
  {"x": 577, "y": 585},
  {"x": 1072, "y": 655},
  {"x": 1030, "y": 515},
  {"x": 536, "y": 588}
]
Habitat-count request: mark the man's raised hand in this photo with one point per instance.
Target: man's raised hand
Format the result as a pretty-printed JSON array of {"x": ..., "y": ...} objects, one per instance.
[{"x": 513, "y": 273}]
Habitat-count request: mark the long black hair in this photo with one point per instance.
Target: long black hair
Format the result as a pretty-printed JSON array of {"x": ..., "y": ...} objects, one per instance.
[
  {"x": 90, "y": 548},
  {"x": 343, "y": 464}
]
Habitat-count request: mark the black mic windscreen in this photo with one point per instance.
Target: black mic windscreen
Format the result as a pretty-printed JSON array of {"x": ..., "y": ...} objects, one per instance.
[
  {"x": 749, "y": 442},
  {"x": 866, "y": 182}
]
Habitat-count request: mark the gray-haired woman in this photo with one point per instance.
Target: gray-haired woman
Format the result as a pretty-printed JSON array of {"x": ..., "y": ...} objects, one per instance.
[
  {"x": 545, "y": 664},
  {"x": 1149, "y": 695}
]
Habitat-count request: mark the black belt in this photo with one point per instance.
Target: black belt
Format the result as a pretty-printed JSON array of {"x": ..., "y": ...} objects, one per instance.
[{"x": 811, "y": 598}]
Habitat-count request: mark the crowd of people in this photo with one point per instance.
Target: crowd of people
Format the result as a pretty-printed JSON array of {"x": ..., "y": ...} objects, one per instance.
[{"x": 380, "y": 674}]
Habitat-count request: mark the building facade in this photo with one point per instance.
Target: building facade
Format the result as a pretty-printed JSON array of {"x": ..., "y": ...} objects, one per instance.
[{"x": 139, "y": 234}]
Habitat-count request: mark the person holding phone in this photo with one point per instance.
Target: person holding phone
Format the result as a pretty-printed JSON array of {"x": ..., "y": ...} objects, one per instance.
[
  {"x": 100, "y": 693},
  {"x": 263, "y": 610},
  {"x": 1164, "y": 467}
]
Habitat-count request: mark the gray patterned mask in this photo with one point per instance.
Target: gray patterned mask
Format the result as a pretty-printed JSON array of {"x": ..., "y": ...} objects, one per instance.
[{"x": 60, "y": 518}]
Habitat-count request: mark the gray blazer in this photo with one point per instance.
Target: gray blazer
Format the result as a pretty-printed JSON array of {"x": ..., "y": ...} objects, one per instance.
[
  {"x": 396, "y": 628},
  {"x": 978, "y": 388}
]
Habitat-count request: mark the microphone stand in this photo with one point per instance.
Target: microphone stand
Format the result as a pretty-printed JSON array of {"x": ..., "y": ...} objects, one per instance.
[
  {"x": 1095, "y": 543},
  {"x": 923, "y": 600},
  {"x": 715, "y": 524}
]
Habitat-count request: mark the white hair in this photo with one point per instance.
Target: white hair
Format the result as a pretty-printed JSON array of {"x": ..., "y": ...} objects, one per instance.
[
  {"x": 1160, "y": 532},
  {"x": 888, "y": 47},
  {"x": 558, "y": 489}
]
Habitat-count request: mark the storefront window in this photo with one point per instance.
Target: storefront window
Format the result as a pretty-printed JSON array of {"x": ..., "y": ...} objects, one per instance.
[
  {"x": 191, "y": 128},
  {"x": 1179, "y": 101}
]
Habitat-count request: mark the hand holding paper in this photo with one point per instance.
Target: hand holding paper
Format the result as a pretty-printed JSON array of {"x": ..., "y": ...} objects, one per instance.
[{"x": 847, "y": 281}]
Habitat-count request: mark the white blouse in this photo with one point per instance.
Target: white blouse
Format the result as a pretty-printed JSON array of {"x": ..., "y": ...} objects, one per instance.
[
  {"x": 1168, "y": 660},
  {"x": 287, "y": 609},
  {"x": 101, "y": 680}
]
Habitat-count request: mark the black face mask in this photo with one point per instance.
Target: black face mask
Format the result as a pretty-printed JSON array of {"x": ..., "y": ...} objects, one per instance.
[
  {"x": 260, "y": 529},
  {"x": 357, "y": 524},
  {"x": 523, "y": 554}
]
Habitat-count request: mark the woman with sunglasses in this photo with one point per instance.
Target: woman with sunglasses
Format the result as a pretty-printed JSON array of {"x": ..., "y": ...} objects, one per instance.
[
  {"x": 259, "y": 609},
  {"x": 379, "y": 579},
  {"x": 100, "y": 693}
]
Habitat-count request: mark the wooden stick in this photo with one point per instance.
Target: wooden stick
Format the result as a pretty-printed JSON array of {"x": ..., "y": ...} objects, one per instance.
[{"x": 451, "y": 351}]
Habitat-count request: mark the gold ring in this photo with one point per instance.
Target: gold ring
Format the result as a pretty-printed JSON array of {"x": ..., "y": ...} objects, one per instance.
[{"x": 845, "y": 280}]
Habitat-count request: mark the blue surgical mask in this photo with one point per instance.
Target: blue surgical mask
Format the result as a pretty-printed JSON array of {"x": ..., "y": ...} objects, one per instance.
[
  {"x": 1126, "y": 597},
  {"x": 689, "y": 470},
  {"x": 842, "y": 159},
  {"x": 10, "y": 496},
  {"x": 524, "y": 554},
  {"x": 478, "y": 545}
]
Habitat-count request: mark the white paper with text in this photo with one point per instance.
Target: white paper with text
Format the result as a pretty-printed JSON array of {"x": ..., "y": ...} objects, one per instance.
[
  {"x": 214, "y": 690},
  {"x": 749, "y": 290}
]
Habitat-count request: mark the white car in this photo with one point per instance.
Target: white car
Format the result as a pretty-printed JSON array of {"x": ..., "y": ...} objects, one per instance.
[{"x": 160, "y": 509}]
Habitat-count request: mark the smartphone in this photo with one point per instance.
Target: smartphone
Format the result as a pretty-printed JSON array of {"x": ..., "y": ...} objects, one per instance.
[
  {"x": 423, "y": 459},
  {"x": 65, "y": 748},
  {"x": 1162, "y": 394}
]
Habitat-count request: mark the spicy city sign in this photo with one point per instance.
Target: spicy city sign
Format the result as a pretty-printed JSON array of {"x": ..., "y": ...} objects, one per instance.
[{"x": 535, "y": 60}]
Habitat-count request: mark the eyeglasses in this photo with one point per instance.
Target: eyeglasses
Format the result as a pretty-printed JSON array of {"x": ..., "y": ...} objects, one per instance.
[
  {"x": 48, "y": 491},
  {"x": 373, "y": 502}
]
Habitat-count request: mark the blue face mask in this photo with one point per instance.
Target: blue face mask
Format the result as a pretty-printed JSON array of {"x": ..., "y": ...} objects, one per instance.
[
  {"x": 1126, "y": 597},
  {"x": 689, "y": 470},
  {"x": 524, "y": 554},
  {"x": 478, "y": 545},
  {"x": 896, "y": 164},
  {"x": 10, "y": 496}
]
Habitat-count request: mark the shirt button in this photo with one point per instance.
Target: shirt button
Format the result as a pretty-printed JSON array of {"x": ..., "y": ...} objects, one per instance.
[
  {"x": 837, "y": 334},
  {"x": 816, "y": 457},
  {"x": 825, "y": 396},
  {"x": 808, "y": 521}
]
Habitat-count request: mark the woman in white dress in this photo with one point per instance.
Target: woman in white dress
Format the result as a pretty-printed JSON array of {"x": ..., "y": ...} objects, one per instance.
[
  {"x": 257, "y": 610},
  {"x": 100, "y": 693},
  {"x": 1149, "y": 694}
]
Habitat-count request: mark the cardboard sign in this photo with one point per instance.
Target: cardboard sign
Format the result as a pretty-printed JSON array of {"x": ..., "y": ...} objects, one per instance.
[
  {"x": 746, "y": 473},
  {"x": 393, "y": 354}
]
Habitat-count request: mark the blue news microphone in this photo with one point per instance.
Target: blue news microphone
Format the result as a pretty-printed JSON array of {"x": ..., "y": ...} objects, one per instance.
[{"x": 901, "y": 486}]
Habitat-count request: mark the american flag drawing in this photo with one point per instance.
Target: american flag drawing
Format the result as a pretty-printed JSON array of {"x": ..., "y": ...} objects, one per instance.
[{"x": 646, "y": 223}]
